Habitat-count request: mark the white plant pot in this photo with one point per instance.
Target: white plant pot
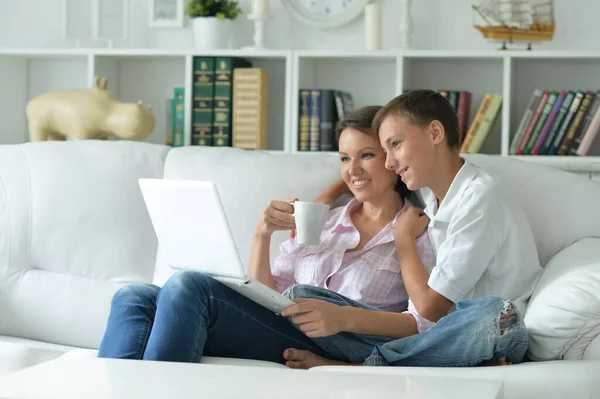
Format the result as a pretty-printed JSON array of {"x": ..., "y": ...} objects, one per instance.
[{"x": 211, "y": 33}]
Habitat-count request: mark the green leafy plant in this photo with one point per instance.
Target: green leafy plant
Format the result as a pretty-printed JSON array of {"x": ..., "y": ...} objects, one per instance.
[{"x": 213, "y": 8}]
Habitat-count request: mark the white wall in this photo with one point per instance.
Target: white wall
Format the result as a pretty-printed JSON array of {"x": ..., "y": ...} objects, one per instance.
[{"x": 439, "y": 24}]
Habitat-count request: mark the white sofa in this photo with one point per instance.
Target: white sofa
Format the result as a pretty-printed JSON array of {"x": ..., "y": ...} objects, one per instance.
[{"x": 74, "y": 228}]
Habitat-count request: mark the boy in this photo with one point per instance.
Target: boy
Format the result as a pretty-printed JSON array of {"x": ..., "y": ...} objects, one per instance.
[{"x": 485, "y": 250}]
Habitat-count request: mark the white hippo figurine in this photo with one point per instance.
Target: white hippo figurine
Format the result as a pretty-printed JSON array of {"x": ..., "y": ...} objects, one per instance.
[{"x": 87, "y": 114}]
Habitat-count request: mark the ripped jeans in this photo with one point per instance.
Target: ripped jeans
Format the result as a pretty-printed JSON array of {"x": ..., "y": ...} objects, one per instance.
[{"x": 474, "y": 331}]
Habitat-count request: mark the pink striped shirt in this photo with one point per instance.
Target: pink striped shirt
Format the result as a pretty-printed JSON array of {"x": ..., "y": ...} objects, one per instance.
[{"x": 370, "y": 275}]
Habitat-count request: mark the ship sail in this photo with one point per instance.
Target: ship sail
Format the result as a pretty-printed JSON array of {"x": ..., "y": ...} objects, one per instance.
[
  {"x": 517, "y": 13},
  {"x": 530, "y": 20}
]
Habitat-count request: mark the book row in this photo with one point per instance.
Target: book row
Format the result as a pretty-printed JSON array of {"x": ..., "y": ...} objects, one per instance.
[
  {"x": 229, "y": 104},
  {"x": 319, "y": 110},
  {"x": 558, "y": 122}
]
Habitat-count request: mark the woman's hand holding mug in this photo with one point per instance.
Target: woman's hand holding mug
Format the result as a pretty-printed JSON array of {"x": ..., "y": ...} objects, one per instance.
[{"x": 278, "y": 215}]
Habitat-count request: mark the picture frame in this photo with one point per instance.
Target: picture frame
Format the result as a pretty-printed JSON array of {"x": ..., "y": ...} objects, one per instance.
[
  {"x": 76, "y": 20},
  {"x": 110, "y": 20},
  {"x": 166, "y": 13}
]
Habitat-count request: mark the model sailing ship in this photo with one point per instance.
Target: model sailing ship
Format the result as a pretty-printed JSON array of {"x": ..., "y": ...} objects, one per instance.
[{"x": 517, "y": 20}]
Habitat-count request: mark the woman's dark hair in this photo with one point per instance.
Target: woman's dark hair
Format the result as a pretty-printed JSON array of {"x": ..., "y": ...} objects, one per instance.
[{"x": 362, "y": 120}]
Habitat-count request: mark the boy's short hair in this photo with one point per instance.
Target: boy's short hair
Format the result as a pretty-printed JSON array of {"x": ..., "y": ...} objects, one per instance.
[{"x": 420, "y": 107}]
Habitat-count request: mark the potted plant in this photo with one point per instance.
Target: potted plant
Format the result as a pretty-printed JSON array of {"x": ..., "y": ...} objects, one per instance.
[{"x": 212, "y": 22}]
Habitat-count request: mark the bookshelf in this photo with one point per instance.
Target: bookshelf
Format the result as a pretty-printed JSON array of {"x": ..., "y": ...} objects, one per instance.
[{"x": 372, "y": 77}]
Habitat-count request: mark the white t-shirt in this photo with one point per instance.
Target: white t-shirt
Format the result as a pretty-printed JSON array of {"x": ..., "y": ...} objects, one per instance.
[{"x": 483, "y": 241}]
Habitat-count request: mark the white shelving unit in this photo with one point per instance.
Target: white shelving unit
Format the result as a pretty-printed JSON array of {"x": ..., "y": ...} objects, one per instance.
[{"x": 372, "y": 77}]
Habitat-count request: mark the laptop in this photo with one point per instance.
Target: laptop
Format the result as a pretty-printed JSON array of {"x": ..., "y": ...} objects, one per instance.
[{"x": 193, "y": 232}]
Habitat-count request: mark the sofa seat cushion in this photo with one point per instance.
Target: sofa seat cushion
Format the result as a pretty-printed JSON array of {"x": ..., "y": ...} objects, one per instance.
[
  {"x": 86, "y": 353},
  {"x": 19, "y": 353}
]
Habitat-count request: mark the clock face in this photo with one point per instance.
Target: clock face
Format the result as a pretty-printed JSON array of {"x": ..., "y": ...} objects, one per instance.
[{"x": 326, "y": 13}]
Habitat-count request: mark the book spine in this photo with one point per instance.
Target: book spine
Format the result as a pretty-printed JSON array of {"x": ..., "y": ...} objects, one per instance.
[
  {"x": 585, "y": 125},
  {"x": 178, "y": 116},
  {"x": 328, "y": 120},
  {"x": 170, "y": 123},
  {"x": 202, "y": 97},
  {"x": 464, "y": 107},
  {"x": 540, "y": 124},
  {"x": 303, "y": 119},
  {"x": 589, "y": 135},
  {"x": 567, "y": 123},
  {"x": 490, "y": 117},
  {"x": 533, "y": 101},
  {"x": 314, "y": 138},
  {"x": 222, "y": 120},
  {"x": 453, "y": 98},
  {"x": 556, "y": 126},
  {"x": 534, "y": 120},
  {"x": 585, "y": 104},
  {"x": 249, "y": 129},
  {"x": 537, "y": 147},
  {"x": 485, "y": 103}
]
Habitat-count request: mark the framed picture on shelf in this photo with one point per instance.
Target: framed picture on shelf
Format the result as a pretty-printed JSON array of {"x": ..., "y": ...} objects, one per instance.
[
  {"x": 110, "y": 20},
  {"x": 166, "y": 13},
  {"x": 76, "y": 20}
]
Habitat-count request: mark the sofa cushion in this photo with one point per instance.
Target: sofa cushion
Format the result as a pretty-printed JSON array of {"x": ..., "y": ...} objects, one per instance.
[
  {"x": 87, "y": 353},
  {"x": 73, "y": 229},
  {"x": 247, "y": 181},
  {"x": 564, "y": 312},
  {"x": 562, "y": 207}
]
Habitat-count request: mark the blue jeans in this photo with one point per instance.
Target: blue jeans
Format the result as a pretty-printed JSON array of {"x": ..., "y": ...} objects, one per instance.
[
  {"x": 195, "y": 315},
  {"x": 474, "y": 331}
]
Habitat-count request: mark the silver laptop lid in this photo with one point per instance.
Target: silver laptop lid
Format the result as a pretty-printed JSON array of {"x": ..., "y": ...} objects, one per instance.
[{"x": 191, "y": 226}]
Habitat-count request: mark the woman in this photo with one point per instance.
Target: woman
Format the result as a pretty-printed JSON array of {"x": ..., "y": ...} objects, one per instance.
[{"x": 352, "y": 281}]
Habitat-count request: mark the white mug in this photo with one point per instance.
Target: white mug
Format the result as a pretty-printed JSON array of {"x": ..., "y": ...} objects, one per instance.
[{"x": 310, "y": 220}]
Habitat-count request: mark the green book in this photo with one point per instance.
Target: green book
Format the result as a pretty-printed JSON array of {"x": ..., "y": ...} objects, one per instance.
[
  {"x": 178, "y": 116},
  {"x": 222, "y": 117},
  {"x": 204, "y": 68},
  {"x": 489, "y": 118}
]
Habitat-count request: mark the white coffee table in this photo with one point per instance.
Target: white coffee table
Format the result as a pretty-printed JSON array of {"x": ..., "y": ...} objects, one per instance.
[{"x": 115, "y": 379}]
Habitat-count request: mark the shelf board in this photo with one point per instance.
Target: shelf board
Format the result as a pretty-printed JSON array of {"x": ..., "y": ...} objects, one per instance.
[
  {"x": 283, "y": 53},
  {"x": 346, "y": 54},
  {"x": 558, "y": 159},
  {"x": 140, "y": 52}
]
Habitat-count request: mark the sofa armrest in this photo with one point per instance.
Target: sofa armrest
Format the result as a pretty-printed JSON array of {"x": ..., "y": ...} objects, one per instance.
[{"x": 563, "y": 315}]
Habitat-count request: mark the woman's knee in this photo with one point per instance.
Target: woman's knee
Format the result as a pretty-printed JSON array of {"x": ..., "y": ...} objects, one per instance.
[{"x": 135, "y": 293}]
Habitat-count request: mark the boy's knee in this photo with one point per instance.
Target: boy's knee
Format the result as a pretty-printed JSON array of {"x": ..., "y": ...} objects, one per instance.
[{"x": 509, "y": 318}]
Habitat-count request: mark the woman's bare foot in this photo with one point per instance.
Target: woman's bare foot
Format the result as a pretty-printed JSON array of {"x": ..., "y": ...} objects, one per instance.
[
  {"x": 496, "y": 362},
  {"x": 301, "y": 359}
]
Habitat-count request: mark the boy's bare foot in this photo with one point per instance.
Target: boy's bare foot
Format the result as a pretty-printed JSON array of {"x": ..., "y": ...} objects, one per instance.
[
  {"x": 496, "y": 362},
  {"x": 301, "y": 359}
]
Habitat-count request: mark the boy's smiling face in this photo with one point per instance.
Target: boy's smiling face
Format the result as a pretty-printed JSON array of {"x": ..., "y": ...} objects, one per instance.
[{"x": 411, "y": 149}]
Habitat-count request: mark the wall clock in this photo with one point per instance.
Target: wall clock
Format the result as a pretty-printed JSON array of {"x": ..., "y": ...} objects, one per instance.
[{"x": 325, "y": 13}]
